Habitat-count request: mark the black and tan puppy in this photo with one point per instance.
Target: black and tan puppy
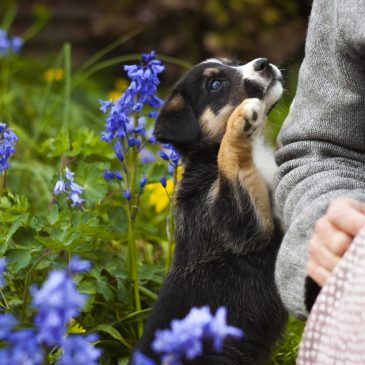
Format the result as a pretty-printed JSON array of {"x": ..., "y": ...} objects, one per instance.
[{"x": 226, "y": 234}]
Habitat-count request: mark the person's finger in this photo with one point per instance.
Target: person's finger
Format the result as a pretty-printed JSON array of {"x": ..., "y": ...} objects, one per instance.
[
  {"x": 320, "y": 254},
  {"x": 347, "y": 215},
  {"x": 328, "y": 235},
  {"x": 317, "y": 273}
]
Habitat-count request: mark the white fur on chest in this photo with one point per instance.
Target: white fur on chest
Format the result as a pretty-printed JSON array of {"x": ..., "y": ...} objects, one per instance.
[{"x": 263, "y": 157}]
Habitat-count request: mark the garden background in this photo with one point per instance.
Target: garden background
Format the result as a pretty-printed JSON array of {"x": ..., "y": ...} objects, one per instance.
[{"x": 72, "y": 57}]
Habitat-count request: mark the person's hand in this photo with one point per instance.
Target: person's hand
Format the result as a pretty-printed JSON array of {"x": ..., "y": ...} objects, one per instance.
[{"x": 333, "y": 235}]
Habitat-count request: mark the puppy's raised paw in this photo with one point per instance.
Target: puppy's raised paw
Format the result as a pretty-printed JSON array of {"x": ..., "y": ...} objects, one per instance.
[
  {"x": 253, "y": 114},
  {"x": 248, "y": 117}
]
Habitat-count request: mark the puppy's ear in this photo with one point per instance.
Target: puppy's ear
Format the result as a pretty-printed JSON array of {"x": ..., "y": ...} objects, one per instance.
[{"x": 176, "y": 122}]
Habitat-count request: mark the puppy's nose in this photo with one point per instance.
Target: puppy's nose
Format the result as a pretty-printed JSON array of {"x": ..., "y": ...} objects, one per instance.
[{"x": 261, "y": 64}]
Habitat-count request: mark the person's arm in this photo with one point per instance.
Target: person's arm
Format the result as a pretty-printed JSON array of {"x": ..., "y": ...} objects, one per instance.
[{"x": 323, "y": 139}]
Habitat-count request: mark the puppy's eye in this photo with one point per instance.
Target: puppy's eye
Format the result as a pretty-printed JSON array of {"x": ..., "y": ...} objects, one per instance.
[{"x": 215, "y": 85}]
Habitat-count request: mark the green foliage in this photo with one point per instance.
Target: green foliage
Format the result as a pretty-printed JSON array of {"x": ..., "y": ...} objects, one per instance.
[{"x": 58, "y": 124}]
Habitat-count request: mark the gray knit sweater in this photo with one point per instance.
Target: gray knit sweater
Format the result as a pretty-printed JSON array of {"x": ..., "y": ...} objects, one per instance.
[{"x": 323, "y": 138}]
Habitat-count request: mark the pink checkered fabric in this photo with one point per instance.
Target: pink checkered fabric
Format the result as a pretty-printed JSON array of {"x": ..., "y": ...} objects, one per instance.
[{"x": 335, "y": 330}]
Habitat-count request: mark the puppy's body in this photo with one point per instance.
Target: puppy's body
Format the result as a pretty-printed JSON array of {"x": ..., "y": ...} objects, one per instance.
[{"x": 226, "y": 236}]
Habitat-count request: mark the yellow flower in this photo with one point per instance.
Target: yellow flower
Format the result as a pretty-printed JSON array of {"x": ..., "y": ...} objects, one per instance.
[
  {"x": 54, "y": 74},
  {"x": 159, "y": 197},
  {"x": 119, "y": 86}
]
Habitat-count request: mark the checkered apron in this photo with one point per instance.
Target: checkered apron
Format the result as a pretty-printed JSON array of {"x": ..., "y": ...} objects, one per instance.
[{"x": 335, "y": 330}]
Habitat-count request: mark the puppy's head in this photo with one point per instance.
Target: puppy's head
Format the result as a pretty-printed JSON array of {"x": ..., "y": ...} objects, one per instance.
[{"x": 201, "y": 102}]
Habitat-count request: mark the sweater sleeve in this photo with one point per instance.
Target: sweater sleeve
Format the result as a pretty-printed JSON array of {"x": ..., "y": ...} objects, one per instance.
[{"x": 323, "y": 138}]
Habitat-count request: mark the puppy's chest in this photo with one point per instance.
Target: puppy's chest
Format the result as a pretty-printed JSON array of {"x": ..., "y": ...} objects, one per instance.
[{"x": 263, "y": 158}]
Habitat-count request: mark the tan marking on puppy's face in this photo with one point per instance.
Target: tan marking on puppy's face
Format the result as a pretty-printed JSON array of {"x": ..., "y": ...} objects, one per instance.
[
  {"x": 211, "y": 71},
  {"x": 176, "y": 103},
  {"x": 214, "y": 125}
]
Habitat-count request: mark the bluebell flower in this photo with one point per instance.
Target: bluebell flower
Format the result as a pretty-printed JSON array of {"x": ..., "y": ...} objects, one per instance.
[
  {"x": 146, "y": 156},
  {"x": 169, "y": 154},
  {"x": 118, "y": 175},
  {"x": 7, "y": 323},
  {"x": 163, "y": 181},
  {"x": 78, "y": 350},
  {"x": 141, "y": 359},
  {"x": 118, "y": 150},
  {"x": 60, "y": 187},
  {"x": 108, "y": 175},
  {"x": 133, "y": 141},
  {"x": 58, "y": 301},
  {"x": 2, "y": 269},
  {"x": 75, "y": 199},
  {"x": 143, "y": 182},
  {"x": 219, "y": 330},
  {"x": 141, "y": 92},
  {"x": 76, "y": 265},
  {"x": 9, "y": 44},
  {"x": 127, "y": 194},
  {"x": 185, "y": 338},
  {"x": 7, "y": 145},
  {"x": 69, "y": 174},
  {"x": 23, "y": 349},
  {"x": 69, "y": 186},
  {"x": 16, "y": 44}
]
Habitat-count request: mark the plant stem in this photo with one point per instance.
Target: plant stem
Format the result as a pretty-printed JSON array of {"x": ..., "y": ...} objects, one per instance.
[
  {"x": 27, "y": 283},
  {"x": 132, "y": 247},
  {"x": 1, "y": 183},
  {"x": 6, "y": 304},
  {"x": 171, "y": 225},
  {"x": 67, "y": 86}
]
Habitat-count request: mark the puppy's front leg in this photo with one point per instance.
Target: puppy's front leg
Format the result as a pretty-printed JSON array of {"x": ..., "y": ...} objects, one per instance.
[{"x": 235, "y": 159}]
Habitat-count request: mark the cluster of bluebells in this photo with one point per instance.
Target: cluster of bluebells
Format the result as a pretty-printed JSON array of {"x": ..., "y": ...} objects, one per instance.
[
  {"x": 67, "y": 185},
  {"x": 57, "y": 302},
  {"x": 9, "y": 44},
  {"x": 169, "y": 154},
  {"x": 187, "y": 336},
  {"x": 125, "y": 125},
  {"x": 7, "y": 145}
]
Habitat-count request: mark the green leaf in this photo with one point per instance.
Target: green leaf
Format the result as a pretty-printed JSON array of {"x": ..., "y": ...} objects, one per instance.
[
  {"x": 110, "y": 330},
  {"x": 19, "y": 258},
  {"x": 103, "y": 289},
  {"x": 53, "y": 214},
  {"x": 51, "y": 243}
]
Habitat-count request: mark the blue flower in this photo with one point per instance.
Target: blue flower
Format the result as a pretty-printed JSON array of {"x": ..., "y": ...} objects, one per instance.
[
  {"x": 72, "y": 189},
  {"x": 143, "y": 182},
  {"x": 185, "y": 338},
  {"x": 76, "y": 200},
  {"x": 146, "y": 156},
  {"x": 219, "y": 330},
  {"x": 7, "y": 145},
  {"x": 77, "y": 265},
  {"x": 7, "y": 323},
  {"x": 58, "y": 301},
  {"x": 169, "y": 154},
  {"x": 78, "y": 350},
  {"x": 60, "y": 187},
  {"x": 118, "y": 149},
  {"x": 163, "y": 181},
  {"x": 127, "y": 194},
  {"x": 2, "y": 269},
  {"x": 140, "y": 359},
  {"x": 141, "y": 92},
  {"x": 23, "y": 349},
  {"x": 9, "y": 44}
]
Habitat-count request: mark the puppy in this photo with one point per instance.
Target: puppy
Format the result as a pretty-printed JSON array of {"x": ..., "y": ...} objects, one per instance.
[{"x": 226, "y": 234}]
